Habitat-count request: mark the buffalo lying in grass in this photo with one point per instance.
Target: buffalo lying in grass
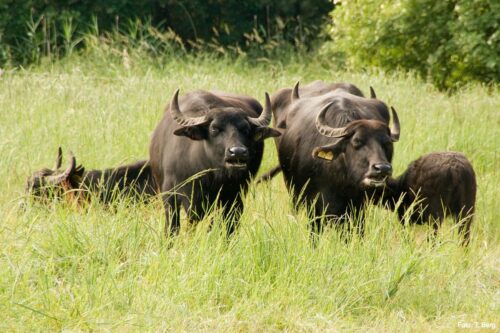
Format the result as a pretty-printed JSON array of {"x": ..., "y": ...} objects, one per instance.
[{"x": 132, "y": 180}]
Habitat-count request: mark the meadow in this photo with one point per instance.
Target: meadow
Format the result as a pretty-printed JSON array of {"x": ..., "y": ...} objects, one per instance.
[{"x": 99, "y": 268}]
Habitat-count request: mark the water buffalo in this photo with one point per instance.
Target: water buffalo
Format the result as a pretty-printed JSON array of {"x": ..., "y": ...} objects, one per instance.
[
  {"x": 132, "y": 180},
  {"x": 436, "y": 185},
  {"x": 336, "y": 144},
  {"x": 215, "y": 133}
]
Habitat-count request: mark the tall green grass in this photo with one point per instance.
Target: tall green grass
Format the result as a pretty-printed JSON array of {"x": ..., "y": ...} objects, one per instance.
[{"x": 97, "y": 268}]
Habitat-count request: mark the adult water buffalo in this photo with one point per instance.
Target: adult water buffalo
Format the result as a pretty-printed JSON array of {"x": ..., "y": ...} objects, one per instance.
[
  {"x": 132, "y": 180},
  {"x": 336, "y": 144},
  {"x": 218, "y": 134},
  {"x": 434, "y": 186}
]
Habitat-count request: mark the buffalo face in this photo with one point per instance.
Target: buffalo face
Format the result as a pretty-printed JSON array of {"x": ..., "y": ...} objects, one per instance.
[
  {"x": 229, "y": 135},
  {"x": 49, "y": 183},
  {"x": 365, "y": 147}
]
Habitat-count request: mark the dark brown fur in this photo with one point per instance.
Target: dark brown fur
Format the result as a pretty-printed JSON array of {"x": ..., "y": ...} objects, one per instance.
[
  {"x": 437, "y": 184},
  {"x": 180, "y": 152},
  {"x": 337, "y": 185},
  {"x": 132, "y": 180}
]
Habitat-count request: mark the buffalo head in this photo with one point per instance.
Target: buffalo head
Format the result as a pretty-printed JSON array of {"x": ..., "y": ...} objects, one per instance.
[
  {"x": 229, "y": 134},
  {"x": 47, "y": 183},
  {"x": 364, "y": 146}
]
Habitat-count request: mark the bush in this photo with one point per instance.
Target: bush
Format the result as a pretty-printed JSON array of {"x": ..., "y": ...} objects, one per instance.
[
  {"x": 450, "y": 42},
  {"x": 33, "y": 28}
]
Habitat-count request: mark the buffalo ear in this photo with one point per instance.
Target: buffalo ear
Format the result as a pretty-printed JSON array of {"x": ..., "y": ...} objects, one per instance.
[
  {"x": 262, "y": 133},
  {"x": 77, "y": 175},
  {"x": 328, "y": 153},
  {"x": 196, "y": 132}
]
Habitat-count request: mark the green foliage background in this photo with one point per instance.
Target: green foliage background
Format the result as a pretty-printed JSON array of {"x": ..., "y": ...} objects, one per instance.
[
  {"x": 31, "y": 28},
  {"x": 450, "y": 42}
]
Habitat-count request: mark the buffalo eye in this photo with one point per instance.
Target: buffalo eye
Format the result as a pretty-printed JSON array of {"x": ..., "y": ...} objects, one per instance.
[
  {"x": 387, "y": 144},
  {"x": 245, "y": 130},
  {"x": 357, "y": 142},
  {"x": 214, "y": 130}
]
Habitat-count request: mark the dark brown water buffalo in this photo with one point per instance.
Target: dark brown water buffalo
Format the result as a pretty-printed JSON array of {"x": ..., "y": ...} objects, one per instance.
[
  {"x": 336, "y": 144},
  {"x": 436, "y": 185},
  {"x": 217, "y": 134},
  {"x": 132, "y": 180}
]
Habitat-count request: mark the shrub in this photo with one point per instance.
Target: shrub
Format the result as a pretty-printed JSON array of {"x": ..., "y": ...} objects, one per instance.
[{"x": 450, "y": 42}]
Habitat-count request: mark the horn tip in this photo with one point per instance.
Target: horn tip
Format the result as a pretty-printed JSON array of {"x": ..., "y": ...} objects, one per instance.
[
  {"x": 267, "y": 99},
  {"x": 176, "y": 94},
  {"x": 174, "y": 102},
  {"x": 295, "y": 91},
  {"x": 394, "y": 113},
  {"x": 58, "y": 158}
]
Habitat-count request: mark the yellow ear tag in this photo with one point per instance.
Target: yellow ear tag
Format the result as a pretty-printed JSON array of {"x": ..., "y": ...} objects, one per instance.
[{"x": 326, "y": 155}]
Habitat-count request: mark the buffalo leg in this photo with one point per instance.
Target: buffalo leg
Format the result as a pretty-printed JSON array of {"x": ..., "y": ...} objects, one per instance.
[
  {"x": 437, "y": 215},
  {"x": 330, "y": 210},
  {"x": 194, "y": 212},
  {"x": 464, "y": 227},
  {"x": 231, "y": 213},
  {"x": 172, "y": 216},
  {"x": 434, "y": 214}
]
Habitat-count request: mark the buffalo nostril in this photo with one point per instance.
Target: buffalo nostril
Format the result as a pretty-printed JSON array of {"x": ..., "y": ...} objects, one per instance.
[
  {"x": 238, "y": 152},
  {"x": 383, "y": 168}
]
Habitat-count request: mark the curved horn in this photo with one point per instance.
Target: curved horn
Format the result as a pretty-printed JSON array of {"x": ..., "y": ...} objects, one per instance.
[
  {"x": 179, "y": 117},
  {"x": 58, "y": 159},
  {"x": 265, "y": 117},
  {"x": 295, "y": 92},
  {"x": 395, "y": 129},
  {"x": 372, "y": 93},
  {"x": 327, "y": 130},
  {"x": 56, "y": 180}
]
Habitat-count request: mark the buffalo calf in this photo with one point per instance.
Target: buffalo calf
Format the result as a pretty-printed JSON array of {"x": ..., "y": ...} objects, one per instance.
[{"x": 436, "y": 185}]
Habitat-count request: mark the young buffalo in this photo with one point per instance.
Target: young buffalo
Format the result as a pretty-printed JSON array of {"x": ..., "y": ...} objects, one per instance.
[
  {"x": 132, "y": 180},
  {"x": 438, "y": 185}
]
